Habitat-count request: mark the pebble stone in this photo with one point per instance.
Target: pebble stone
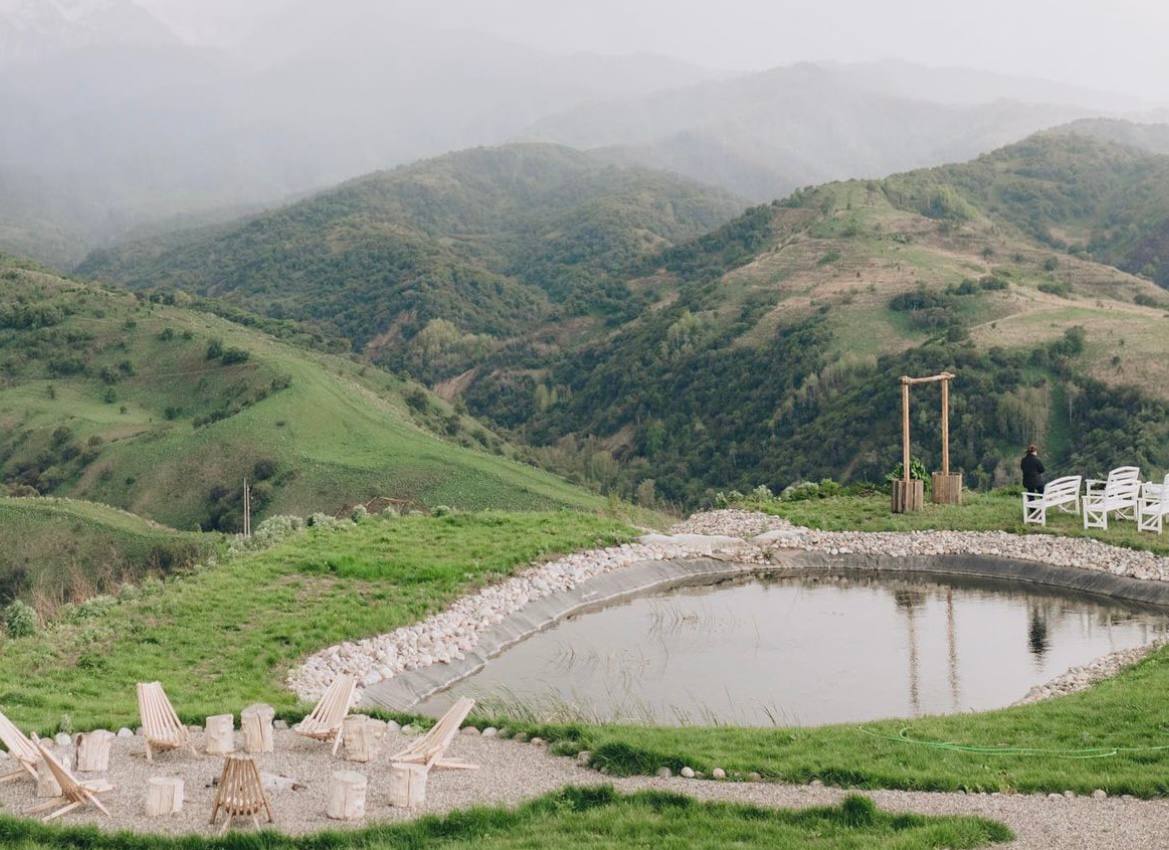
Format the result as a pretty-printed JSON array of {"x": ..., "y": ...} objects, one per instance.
[
  {"x": 664, "y": 773},
  {"x": 718, "y": 773},
  {"x": 687, "y": 772},
  {"x": 754, "y": 777},
  {"x": 1099, "y": 794},
  {"x": 63, "y": 740},
  {"x": 490, "y": 732},
  {"x": 125, "y": 732},
  {"x": 469, "y": 730}
]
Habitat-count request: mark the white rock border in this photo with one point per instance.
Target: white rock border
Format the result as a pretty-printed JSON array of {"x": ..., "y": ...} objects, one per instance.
[{"x": 747, "y": 537}]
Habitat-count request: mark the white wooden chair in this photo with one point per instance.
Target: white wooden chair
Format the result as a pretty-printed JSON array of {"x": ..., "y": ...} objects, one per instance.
[
  {"x": 1119, "y": 495},
  {"x": 327, "y": 719},
  {"x": 1153, "y": 506},
  {"x": 430, "y": 748},
  {"x": 74, "y": 793},
  {"x": 161, "y": 728},
  {"x": 1061, "y": 494},
  {"x": 23, "y": 751}
]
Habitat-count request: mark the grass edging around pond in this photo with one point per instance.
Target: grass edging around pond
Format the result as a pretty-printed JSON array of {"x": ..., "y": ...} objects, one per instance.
[{"x": 578, "y": 817}]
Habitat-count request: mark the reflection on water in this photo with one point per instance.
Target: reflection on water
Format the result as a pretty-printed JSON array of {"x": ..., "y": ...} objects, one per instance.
[{"x": 806, "y": 650}]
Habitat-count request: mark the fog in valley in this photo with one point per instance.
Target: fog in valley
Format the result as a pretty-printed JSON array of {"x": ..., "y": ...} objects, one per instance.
[{"x": 131, "y": 117}]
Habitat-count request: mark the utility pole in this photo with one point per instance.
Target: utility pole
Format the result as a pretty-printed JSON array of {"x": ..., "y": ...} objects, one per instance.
[{"x": 247, "y": 509}]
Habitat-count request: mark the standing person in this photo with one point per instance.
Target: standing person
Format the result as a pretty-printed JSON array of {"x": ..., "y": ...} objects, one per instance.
[{"x": 1033, "y": 470}]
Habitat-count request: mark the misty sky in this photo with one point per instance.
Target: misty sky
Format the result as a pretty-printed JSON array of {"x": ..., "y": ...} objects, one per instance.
[{"x": 1118, "y": 44}]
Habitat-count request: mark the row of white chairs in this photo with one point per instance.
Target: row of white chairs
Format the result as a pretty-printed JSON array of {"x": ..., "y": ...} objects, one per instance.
[{"x": 1122, "y": 495}]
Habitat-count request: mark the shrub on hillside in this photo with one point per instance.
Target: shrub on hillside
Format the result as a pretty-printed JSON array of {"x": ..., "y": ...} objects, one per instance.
[{"x": 20, "y": 620}]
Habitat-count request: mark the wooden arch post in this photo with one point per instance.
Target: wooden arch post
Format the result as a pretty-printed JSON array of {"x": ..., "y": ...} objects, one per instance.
[{"x": 909, "y": 494}]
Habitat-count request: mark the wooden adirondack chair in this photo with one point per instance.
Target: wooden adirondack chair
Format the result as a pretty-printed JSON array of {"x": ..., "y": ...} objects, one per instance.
[
  {"x": 74, "y": 793},
  {"x": 20, "y": 748},
  {"x": 1062, "y": 494},
  {"x": 161, "y": 727},
  {"x": 327, "y": 718},
  {"x": 1118, "y": 495},
  {"x": 240, "y": 792},
  {"x": 431, "y": 747}
]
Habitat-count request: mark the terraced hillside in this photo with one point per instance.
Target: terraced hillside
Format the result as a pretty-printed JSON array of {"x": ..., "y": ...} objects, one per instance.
[{"x": 163, "y": 410}]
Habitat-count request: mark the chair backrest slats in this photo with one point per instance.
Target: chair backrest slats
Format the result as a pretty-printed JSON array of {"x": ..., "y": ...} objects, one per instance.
[
  {"x": 439, "y": 737},
  {"x": 18, "y": 746},
  {"x": 334, "y": 703}
]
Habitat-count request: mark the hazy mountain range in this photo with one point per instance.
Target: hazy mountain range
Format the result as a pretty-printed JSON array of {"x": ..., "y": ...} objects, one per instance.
[{"x": 114, "y": 123}]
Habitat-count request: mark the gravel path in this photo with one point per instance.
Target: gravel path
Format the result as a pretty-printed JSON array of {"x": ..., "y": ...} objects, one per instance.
[{"x": 512, "y": 772}]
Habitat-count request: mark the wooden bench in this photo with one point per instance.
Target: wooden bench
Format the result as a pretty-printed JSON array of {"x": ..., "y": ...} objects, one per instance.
[{"x": 1061, "y": 494}]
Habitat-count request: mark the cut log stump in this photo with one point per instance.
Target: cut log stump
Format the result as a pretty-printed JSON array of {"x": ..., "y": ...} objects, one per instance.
[
  {"x": 361, "y": 737},
  {"x": 164, "y": 796},
  {"x": 219, "y": 734},
  {"x": 93, "y": 751},
  {"x": 47, "y": 784},
  {"x": 256, "y": 723},
  {"x": 407, "y": 784},
  {"x": 347, "y": 796}
]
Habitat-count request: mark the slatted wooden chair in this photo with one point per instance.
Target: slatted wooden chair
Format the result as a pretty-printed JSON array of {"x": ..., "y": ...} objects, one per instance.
[
  {"x": 1153, "y": 506},
  {"x": 74, "y": 793},
  {"x": 21, "y": 749},
  {"x": 161, "y": 727},
  {"x": 327, "y": 718},
  {"x": 240, "y": 793},
  {"x": 1118, "y": 495},
  {"x": 1061, "y": 494},
  {"x": 430, "y": 748}
]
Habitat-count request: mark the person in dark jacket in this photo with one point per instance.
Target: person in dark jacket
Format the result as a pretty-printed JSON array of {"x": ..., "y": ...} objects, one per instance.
[{"x": 1033, "y": 471}]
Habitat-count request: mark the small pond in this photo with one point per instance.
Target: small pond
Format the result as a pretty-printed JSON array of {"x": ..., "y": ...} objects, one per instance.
[{"x": 807, "y": 650}]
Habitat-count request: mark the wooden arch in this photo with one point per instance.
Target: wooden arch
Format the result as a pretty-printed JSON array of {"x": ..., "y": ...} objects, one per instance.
[{"x": 908, "y": 494}]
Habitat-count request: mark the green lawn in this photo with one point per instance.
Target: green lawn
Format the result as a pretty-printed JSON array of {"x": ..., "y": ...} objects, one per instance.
[
  {"x": 61, "y": 550},
  {"x": 225, "y": 636},
  {"x": 593, "y": 818}
]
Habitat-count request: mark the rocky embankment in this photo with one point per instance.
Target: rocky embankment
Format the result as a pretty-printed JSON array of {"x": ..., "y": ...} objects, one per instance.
[{"x": 745, "y": 536}]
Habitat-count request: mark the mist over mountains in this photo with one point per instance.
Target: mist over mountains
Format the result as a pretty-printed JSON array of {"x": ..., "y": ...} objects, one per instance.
[{"x": 116, "y": 123}]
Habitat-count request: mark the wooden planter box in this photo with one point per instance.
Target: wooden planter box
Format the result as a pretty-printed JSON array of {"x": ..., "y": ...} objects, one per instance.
[
  {"x": 908, "y": 496},
  {"x": 947, "y": 489}
]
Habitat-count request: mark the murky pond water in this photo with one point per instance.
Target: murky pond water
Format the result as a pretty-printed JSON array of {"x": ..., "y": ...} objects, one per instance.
[{"x": 805, "y": 651}]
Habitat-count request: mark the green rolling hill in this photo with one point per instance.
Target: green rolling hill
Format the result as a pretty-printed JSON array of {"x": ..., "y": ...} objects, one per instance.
[{"x": 162, "y": 410}]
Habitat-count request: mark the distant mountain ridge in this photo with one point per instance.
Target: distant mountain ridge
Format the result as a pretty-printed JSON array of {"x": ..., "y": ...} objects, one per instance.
[{"x": 763, "y": 135}]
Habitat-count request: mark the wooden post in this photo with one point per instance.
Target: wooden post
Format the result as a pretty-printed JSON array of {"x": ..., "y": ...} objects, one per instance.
[
  {"x": 905, "y": 459},
  {"x": 946, "y": 427},
  {"x": 947, "y": 488},
  {"x": 93, "y": 751},
  {"x": 247, "y": 509},
  {"x": 407, "y": 784},
  {"x": 219, "y": 734},
  {"x": 361, "y": 737},
  {"x": 346, "y": 796},
  {"x": 164, "y": 796},
  {"x": 256, "y": 723}
]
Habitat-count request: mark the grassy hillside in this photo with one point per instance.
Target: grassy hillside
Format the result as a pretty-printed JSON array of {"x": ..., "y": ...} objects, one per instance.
[
  {"x": 773, "y": 345},
  {"x": 163, "y": 410},
  {"x": 323, "y": 585},
  {"x": 766, "y": 350},
  {"x": 492, "y": 241},
  {"x": 1073, "y": 191},
  {"x": 59, "y": 550}
]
